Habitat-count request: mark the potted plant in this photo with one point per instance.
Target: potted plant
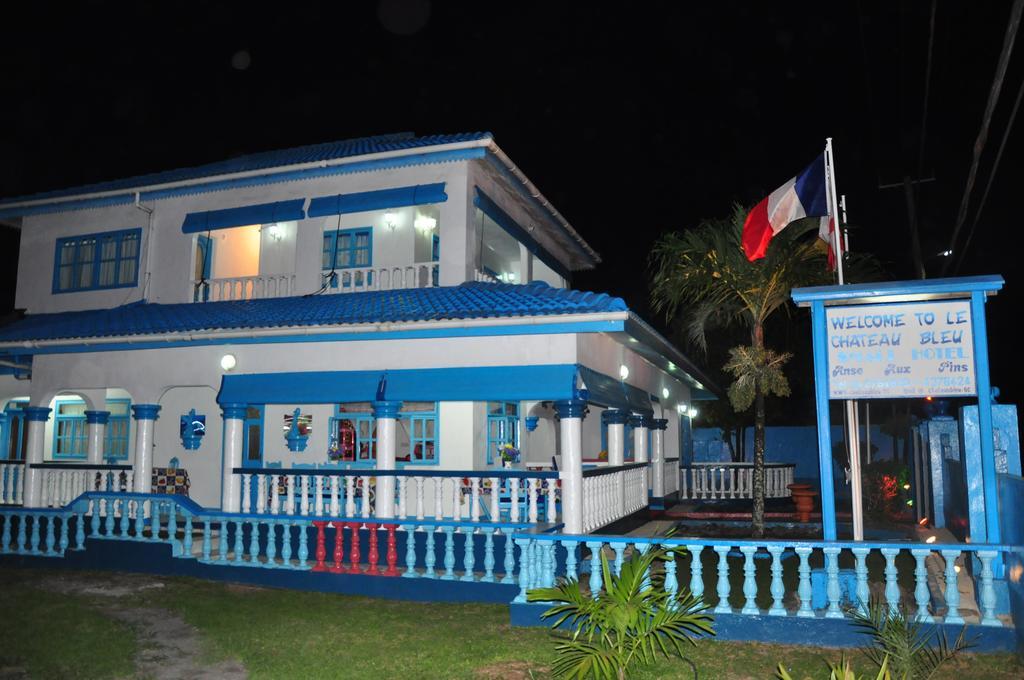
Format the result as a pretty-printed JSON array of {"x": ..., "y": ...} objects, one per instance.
[{"x": 509, "y": 455}]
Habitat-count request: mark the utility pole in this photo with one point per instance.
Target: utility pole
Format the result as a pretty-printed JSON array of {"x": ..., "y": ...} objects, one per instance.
[{"x": 915, "y": 238}]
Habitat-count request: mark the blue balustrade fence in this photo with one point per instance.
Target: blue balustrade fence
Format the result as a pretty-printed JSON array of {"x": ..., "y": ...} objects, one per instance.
[{"x": 791, "y": 579}]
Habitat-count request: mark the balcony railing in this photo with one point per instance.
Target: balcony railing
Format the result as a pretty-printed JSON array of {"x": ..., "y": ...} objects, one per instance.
[
  {"x": 12, "y": 482},
  {"x": 382, "y": 278},
  {"x": 720, "y": 481},
  {"x": 243, "y": 288},
  {"x": 470, "y": 495},
  {"x": 64, "y": 482}
]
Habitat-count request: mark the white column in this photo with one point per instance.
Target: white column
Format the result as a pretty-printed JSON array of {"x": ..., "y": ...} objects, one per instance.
[
  {"x": 231, "y": 484},
  {"x": 639, "y": 424},
  {"x": 96, "y": 424},
  {"x": 658, "y": 456},
  {"x": 570, "y": 413},
  {"x": 386, "y": 413},
  {"x": 35, "y": 426},
  {"x": 616, "y": 421},
  {"x": 145, "y": 417}
]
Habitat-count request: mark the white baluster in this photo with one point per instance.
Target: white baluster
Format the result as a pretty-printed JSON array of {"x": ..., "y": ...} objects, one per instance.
[
  {"x": 335, "y": 500},
  {"x": 291, "y": 496},
  {"x": 474, "y": 499},
  {"x": 403, "y": 497},
  {"x": 419, "y": 497},
  {"x": 350, "y": 496},
  {"x": 261, "y": 492},
  {"x": 513, "y": 492},
  {"x": 304, "y": 493},
  {"x": 275, "y": 494},
  {"x": 437, "y": 488},
  {"x": 318, "y": 495},
  {"x": 246, "y": 494},
  {"x": 495, "y": 493},
  {"x": 552, "y": 488},
  {"x": 732, "y": 482},
  {"x": 365, "y": 482},
  {"x": 531, "y": 487}
]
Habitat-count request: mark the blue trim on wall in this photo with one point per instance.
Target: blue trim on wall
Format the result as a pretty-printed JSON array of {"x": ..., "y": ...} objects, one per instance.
[
  {"x": 263, "y": 213},
  {"x": 817, "y": 632},
  {"x": 260, "y": 180},
  {"x": 512, "y": 228},
  {"x": 493, "y": 383},
  {"x": 477, "y": 331},
  {"x": 382, "y": 199}
]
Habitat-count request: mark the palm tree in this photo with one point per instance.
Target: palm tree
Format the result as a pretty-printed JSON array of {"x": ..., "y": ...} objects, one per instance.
[{"x": 702, "y": 276}]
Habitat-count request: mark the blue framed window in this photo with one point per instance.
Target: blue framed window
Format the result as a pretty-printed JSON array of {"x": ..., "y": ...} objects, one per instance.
[
  {"x": 14, "y": 437},
  {"x": 97, "y": 261},
  {"x": 115, "y": 444},
  {"x": 348, "y": 248},
  {"x": 502, "y": 427},
  {"x": 354, "y": 429},
  {"x": 70, "y": 430},
  {"x": 252, "y": 437}
]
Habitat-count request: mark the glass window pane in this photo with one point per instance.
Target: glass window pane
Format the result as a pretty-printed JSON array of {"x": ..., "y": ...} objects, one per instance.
[
  {"x": 107, "y": 273},
  {"x": 67, "y": 252},
  {"x": 127, "y": 273}
]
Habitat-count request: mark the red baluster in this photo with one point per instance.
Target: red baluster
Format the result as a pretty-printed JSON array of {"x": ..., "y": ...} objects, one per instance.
[
  {"x": 321, "y": 549},
  {"x": 339, "y": 552},
  {"x": 354, "y": 556},
  {"x": 374, "y": 555},
  {"x": 392, "y": 569}
]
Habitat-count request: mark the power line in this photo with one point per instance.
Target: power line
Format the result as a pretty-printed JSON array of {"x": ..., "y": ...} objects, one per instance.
[
  {"x": 991, "y": 177},
  {"x": 986, "y": 120}
]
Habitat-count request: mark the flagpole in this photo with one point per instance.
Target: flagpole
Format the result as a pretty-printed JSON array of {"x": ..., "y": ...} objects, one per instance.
[{"x": 852, "y": 420}]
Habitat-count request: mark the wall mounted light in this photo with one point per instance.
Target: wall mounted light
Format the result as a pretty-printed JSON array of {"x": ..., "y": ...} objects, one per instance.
[
  {"x": 227, "y": 362},
  {"x": 391, "y": 220},
  {"x": 275, "y": 231},
  {"x": 623, "y": 372},
  {"x": 693, "y": 413},
  {"x": 424, "y": 223},
  {"x": 681, "y": 409},
  {"x": 664, "y": 393}
]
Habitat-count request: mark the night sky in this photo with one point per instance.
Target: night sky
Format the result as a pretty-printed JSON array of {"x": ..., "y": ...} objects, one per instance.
[{"x": 633, "y": 118}]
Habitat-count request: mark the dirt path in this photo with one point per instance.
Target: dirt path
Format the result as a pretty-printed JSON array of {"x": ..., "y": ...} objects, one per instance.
[{"x": 169, "y": 648}]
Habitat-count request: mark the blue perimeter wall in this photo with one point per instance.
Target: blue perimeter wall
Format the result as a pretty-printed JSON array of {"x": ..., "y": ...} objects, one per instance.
[{"x": 1011, "y": 521}]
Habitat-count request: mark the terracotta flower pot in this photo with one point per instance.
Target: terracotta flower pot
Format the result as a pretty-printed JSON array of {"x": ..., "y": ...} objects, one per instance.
[{"x": 803, "y": 496}]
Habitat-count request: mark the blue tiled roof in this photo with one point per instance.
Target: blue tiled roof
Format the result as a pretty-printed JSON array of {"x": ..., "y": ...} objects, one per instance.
[
  {"x": 467, "y": 301},
  {"x": 265, "y": 160}
]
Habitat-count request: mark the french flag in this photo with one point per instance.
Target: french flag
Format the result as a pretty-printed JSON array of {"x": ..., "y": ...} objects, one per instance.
[{"x": 802, "y": 196}]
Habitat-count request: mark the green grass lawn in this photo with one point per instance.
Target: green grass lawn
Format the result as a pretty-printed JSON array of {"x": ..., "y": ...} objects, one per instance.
[{"x": 287, "y": 634}]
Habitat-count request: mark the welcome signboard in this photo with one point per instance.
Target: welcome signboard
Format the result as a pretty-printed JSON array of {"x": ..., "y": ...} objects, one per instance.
[{"x": 915, "y": 349}]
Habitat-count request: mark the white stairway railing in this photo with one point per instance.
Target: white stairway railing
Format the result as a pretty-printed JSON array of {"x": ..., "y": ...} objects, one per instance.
[
  {"x": 64, "y": 482},
  {"x": 475, "y": 496},
  {"x": 611, "y": 493},
  {"x": 671, "y": 475},
  {"x": 720, "y": 481}
]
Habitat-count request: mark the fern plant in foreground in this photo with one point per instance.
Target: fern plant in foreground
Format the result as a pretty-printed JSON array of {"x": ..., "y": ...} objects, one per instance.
[{"x": 628, "y": 622}]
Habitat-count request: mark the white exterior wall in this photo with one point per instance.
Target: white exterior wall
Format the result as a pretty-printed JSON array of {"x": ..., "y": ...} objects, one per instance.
[
  {"x": 203, "y": 464},
  {"x": 527, "y": 216},
  {"x": 167, "y": 256},
  {"x": 606, "y": 355}
]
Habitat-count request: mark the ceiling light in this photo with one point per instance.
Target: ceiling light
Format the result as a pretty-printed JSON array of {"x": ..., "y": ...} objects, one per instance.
[{"x": 227, "y": 362}]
